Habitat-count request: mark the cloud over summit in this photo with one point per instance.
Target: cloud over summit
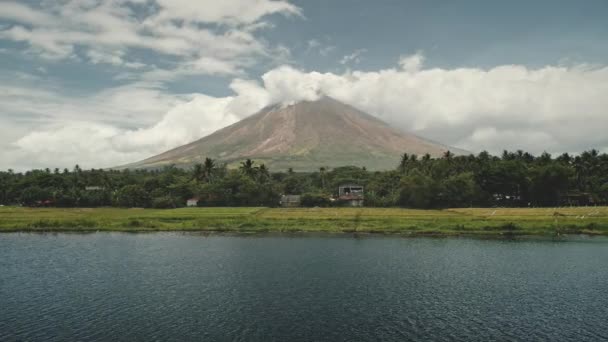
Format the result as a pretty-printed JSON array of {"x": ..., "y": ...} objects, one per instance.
[
  {"x": 553, "y": 108},
  {"x": 107, "y": 82}
]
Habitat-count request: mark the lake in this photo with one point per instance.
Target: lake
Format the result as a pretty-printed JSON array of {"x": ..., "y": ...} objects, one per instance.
[{"x": 192, "y": 287}]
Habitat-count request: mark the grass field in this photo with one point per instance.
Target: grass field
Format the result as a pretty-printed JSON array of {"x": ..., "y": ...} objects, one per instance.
[{"x": 468, "y": 221}]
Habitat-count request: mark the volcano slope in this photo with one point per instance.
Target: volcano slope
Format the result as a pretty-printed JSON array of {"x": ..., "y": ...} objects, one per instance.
[{"x": 303, "y": 136}]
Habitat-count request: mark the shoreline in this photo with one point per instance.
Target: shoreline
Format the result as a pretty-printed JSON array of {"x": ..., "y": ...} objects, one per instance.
[
  {"x": 319, "y": 234},
  {"x": 501, "y": 223},
  {"x": 547, "y": 231}
]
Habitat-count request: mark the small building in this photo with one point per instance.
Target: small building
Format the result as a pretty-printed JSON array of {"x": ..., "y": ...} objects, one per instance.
[
  {"x": 578, "y": 199},
  {"x": 44, "y": 203},
  {"x": 351, "y": 194},
  {"x": 93, "y": 188},
  {"x": 290, "y": 201},
  {"x": 507, "y": 200},
  {"x": 192, "y": 202}
]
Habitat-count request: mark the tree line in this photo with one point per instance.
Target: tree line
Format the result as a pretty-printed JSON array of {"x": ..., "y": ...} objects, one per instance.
[{"x": 517, "y": 179}]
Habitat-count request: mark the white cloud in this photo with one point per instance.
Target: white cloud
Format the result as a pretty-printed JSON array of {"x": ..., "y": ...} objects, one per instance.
[
  {"x": 209, "y": 65},
  {"x": 128, "y": 105},
  {"x": 99, "y": 138},
  {"x": 412, "y": 63},
  {"x": 182, "y": 124},
  {"x": 323, "y": 49},
  {"x": 64, "y": 145},
  {"x": 23, "y": 14},
  {"x": 558, "y": 109},
  {"x": 552, "y": 108},
  {"x": 354, "y": 57},
  {"x": 495, "y": 139},
  {"x": 232, "y": 12},
  {"x": 115, "y": 58},
  {"x": 193, "y": 32}
]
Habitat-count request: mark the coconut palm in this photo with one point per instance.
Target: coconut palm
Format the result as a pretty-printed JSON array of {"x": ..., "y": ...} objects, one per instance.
[
  {"x": 208, "y": 169},
  {"x": 247, "y": 168},
  {"x": 405, "y": 158},
  {"x": 322, "y": 175},
  {"x": 198, "y": 173},
  {"x": 263, "y": 173},
  {"x": 448, "y": 155}
]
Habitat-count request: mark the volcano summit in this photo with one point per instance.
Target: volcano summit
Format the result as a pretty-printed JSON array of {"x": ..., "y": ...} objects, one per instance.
[{"x": 303, "y": 136}]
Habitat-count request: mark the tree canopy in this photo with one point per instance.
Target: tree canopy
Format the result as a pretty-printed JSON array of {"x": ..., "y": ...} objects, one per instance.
[{"x": 512, "y": 179}]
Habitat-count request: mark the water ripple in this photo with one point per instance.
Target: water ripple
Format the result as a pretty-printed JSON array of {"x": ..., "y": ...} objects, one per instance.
[{"x": 176, "y": 287}]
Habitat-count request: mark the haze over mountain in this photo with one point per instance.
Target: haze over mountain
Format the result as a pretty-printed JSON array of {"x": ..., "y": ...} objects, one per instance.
[{"x": 303, "y": 136}]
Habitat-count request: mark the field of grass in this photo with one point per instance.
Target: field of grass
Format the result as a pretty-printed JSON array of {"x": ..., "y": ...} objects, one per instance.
[{"x": 468, "y": 221}]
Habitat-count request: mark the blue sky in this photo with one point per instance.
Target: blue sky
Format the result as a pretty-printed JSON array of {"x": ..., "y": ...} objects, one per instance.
[
  {"x": 456, "y": 33},
  {"x": 130, "y": 78}
]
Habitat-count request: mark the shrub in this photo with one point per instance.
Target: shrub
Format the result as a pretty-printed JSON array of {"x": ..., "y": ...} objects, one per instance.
[{"x": 315, "y": 200}]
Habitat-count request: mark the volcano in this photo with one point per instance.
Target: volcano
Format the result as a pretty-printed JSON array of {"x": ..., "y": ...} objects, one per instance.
[{"x": 303, "y": 136}]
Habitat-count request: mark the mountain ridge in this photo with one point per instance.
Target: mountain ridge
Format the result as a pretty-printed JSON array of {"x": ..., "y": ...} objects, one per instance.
[{"x": 303, "y": 136}]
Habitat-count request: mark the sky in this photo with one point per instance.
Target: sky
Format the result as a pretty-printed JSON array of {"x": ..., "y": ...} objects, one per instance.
[{"x": 102, "y": 83}]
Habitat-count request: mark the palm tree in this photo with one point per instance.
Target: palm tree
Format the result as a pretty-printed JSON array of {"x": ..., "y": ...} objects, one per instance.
[
  {"x": 198, "y": 172},
  {"x": 448, "y": 155},
  {"x": 322, "y": 170},
  {"x": 208, "y": 168},
  {"x": 405, "y": 158},
  {"x": 565, "y": 158},
  {"x": 247, "y": 168},
  {"x": 263, "y": 173}
]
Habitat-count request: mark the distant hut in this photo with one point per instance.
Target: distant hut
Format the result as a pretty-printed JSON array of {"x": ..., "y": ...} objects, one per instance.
[
  {"x": 192, "y": 202},
  {"x": 290, "y": 201},
  {"x": 351, "y": 194}
]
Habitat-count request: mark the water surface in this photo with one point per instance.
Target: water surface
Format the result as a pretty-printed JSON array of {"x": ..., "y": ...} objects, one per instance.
[{"x": 180, "y": 287}]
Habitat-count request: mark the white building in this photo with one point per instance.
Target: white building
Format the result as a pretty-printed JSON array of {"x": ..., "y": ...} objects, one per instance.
[{"x": 192, "y": 202}]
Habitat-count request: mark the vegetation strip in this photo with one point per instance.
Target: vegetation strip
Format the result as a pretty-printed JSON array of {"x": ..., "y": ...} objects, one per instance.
[{"x": 469, "y": 221}]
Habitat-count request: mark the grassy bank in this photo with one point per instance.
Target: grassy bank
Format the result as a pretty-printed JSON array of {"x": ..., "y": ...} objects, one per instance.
[{"x": 475, "y": 221}]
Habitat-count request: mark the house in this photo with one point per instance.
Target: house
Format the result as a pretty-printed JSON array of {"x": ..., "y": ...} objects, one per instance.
[
  {"x": 290, "y": 201},
  {"x": 192, "y": 202},
  {"x": 44, "y": 203},
  {"x": 351, "y": 194}
]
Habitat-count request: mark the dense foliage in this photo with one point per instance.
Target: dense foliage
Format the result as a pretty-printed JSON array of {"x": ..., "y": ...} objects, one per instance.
[{"x": 514, "y": 179}]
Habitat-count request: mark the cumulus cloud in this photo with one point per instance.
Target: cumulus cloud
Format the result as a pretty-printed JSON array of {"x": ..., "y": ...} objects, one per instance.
[
  {"x": 58, "y": 145},
  {"x": 412, "y": 63},
  {"x": 552, "y": 108},
  {"x": 197, "y": 34},
  {"x": 186, "y": 122},
  {"x": 102, "y": 137}
]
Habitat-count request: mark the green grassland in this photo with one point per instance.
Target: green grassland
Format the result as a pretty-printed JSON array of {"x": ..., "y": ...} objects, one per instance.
[{"x": 467, "y": 221}]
